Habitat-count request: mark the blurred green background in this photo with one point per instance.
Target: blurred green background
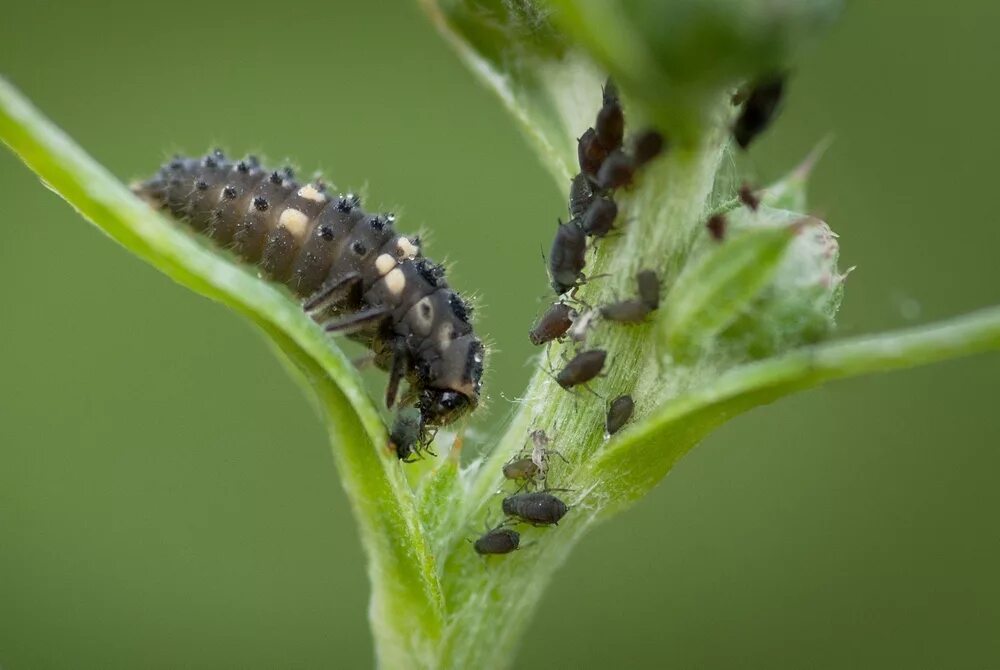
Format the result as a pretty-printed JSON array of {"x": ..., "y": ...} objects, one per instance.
[{"x": 167, "y": 498}]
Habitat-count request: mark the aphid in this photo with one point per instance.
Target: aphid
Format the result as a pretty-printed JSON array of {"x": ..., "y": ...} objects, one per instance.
[
  {"x": 748, "y": 197},
  {"x": 521, "y": 468},
  {"x": 406, "y": 437},
  {"x": 553, "y": 324},
  {"x": 649, "y": 288},
  {"x": 582, "y": 368},
  {"x": 716, "y": 225},
  {"x": 581, "y": 194},
  {"x": 646, "y": 146},
  {"x": 590, "y": 153},
  {"x": 568, "y": 257},
  {"x": 497, "y": 540},
  {"x": 354, "y": 272},
  {"x": 636, "y": 310},
  {"x": 610, "y": 124},
  {"x": 619, "y": 412},
  {"x": 534, "y": 466},
  {"x": 616, "y": 171},
  {"x": 625, "y": 311},
  {"x": 537, "y": 507},
  {"x": 599, "y": 219},
  {"x": 759, "y": 108}
]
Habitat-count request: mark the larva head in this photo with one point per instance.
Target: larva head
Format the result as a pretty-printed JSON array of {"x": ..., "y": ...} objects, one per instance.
[{"x": 454, "y": 381}]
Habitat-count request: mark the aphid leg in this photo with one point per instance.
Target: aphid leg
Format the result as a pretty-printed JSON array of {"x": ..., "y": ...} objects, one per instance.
[
  {"x": 595, "y": 393},
  {"x": 396, "y": 371},
  {"x": 357, "y": 321},
  {"x": 327, "y": 293}
]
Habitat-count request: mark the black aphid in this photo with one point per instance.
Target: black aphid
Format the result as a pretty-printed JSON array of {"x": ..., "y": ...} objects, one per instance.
[
  {"x": 361, "y": 279},
  {"x": 637, "y": 309},
  {"x": 759, "y": 108},
  {"x": 537, "y": 507},
  {"x": 599, "y": 219},
  {"x": 646, "y": 146},
  {"x": 610, "y": 123},
  {"x": 497, "y": 540},
  {"x": 582, "y": 368},
  {"x": 553, "y": 324},
  {"x": 567, "y": 257},
  {"x": 619, "y": 412},
  {"x": 581, "y": 194},
  {"x": 649, "y": 288},
  {"x": 748, "y": 197},
  {"x": 590, "y": 153},
  {"x": 616, "y": 171},
  {"x": 716, "y": 225},
  {"x": 406, "y": 436}
]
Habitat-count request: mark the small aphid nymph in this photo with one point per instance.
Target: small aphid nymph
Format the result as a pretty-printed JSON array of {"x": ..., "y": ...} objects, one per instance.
[
  {"x": 748, "y": 197},
  {"x": 497, "y": 541},
  {"x": 649, "y": 288},
  {"x": 405, "y": 437},
  {"x": 625, "y": 311},
  {"x": 646, "y": 146},
  {"x": 599, "y": 219},
  {"x": 619, "y": 412},
  {"x": 610, "y": 123},
  {"x": 616, "y": 171},
  {"x": 581, "y": 194},
  {"x": 716, "y": 225}
]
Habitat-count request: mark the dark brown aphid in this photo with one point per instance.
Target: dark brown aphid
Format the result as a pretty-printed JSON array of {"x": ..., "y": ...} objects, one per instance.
[
  {"x": 625, "y": 311},
  {"x": 610, "y": 124},
  {"x": 582, "y": 368},
  {"x": 567, "y": 257},
  {"x": 553, "y": 324},
  {"x": 520, "y": 469},
  {"x": 599, "y": 219},
  {"x": 581, "y": 194},
  {"x": 354, "y": 272},
  {"x": 497, "y": 541},
  {"x": 590, "y": 153},
  {"x": 759, "y": 109},
  {"x": 716, "y": 225},
  {"x": 646, "y": 146},
  {"x": 649, "y": 288},
  {"x": 619, "y": 412},
  {"x": 748, "y": 197},
  {"x": 616, "y": 171},
  {"x": 537, "y": 507}
]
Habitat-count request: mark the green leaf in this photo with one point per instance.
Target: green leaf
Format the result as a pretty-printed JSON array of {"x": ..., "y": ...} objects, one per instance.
[
  {"x": 407, "y": 607},
  {"x": 716, "y": 287},
  {"x": 647, "y": 452}
]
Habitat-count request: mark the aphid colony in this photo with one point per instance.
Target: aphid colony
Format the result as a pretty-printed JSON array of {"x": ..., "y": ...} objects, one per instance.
[
  {"x": 355, "y": 274},
  {"x": 538, "y": 508},
  {"x": 604, "y": 167}
]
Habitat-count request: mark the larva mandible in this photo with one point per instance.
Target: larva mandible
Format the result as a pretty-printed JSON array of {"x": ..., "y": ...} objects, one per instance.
[{"x": 352, "y": 270}]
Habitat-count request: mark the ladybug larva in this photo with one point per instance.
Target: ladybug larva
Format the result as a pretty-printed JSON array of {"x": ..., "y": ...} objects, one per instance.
[{"x": 355, "y": 274}]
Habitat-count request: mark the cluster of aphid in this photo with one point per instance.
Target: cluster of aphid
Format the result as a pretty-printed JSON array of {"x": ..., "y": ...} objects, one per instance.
[
  {"x": 604, "y": 167},
  {"x": 530, "y": 469}
]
